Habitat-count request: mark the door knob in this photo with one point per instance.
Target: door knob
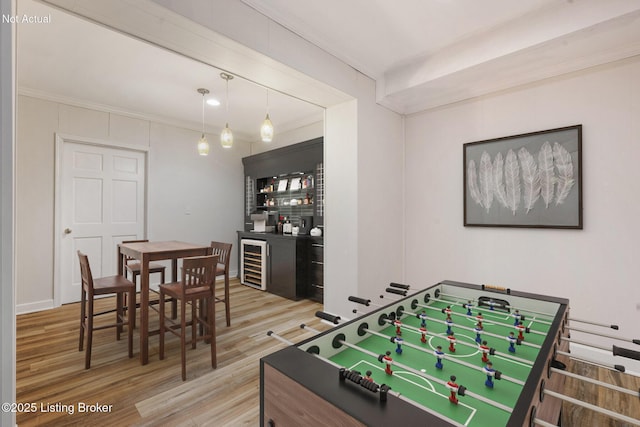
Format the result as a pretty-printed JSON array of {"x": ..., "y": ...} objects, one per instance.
[{"x": 67, "y": 231}]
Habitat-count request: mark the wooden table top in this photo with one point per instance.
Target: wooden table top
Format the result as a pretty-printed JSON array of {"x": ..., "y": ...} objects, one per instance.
[{"x": 159, "y": 247}]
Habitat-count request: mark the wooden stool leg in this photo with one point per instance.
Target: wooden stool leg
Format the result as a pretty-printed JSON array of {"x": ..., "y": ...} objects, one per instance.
[
  {"x": 131, "y": 316},
  {"x": 162, "y": 329},
  {"x": 183, "y": 344},
  {"x": 134, "y": 279},
  {"x": 87, "y": 358},
  {"x": 211, "y": 320},
  {"x": 194, "y": 320},
  {"x": 83, "y": 316},
  {"x": 226, "y": 298},
  {"x": 174, "y": 309},
  {"x": 119, "y": 314}
]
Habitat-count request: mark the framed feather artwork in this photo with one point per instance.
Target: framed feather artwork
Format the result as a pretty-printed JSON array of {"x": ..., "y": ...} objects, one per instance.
[{"x": 531, "y": 180}]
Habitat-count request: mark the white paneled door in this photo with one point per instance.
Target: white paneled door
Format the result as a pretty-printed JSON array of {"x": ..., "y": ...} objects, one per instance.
[{"x": 102, "y": 202}]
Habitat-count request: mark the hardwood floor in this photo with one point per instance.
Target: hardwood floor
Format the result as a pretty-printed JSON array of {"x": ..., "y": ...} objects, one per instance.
[
  {"x": 620, "y": 403},
  {"x": 50, "y": 371}
]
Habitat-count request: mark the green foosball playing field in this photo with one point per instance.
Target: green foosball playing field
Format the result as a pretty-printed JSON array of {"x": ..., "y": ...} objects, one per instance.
[
  {"x": 453, "y": 354},
  {"x": 465, "y": 363}
]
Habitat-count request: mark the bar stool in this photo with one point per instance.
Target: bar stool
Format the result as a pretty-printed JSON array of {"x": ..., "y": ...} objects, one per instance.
[
  {"x": 196, "y": 287},
  {"x": 118, "y": 285},
  {"x": 223, "y": 250}
]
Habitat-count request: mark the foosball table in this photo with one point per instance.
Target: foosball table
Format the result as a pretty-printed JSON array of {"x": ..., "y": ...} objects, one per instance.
[{"x": 454, "y": 354}]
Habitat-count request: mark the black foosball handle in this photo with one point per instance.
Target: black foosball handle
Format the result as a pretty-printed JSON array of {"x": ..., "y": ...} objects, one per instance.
[
  {"x": 625, "y": 352},
  {"x": 329, "y": 317},
  {"x": 362, "y": 301},
  {"x": 396, "y": 291},
  {"x": 399, "y": 285}
]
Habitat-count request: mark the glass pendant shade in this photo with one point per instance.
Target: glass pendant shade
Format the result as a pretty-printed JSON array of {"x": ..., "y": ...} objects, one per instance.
[
  {"x": 203, "y": 146},
  {"x": 226, "y": 137},
  {"x": 266, "y": 130}
]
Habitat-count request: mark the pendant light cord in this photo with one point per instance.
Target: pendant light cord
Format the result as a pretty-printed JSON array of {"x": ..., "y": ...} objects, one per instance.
[{"x": 203, "y": 114}]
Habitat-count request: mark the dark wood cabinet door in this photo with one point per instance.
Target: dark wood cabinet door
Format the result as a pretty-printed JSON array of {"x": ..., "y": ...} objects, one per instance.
[{"x": 282, "y": 268}]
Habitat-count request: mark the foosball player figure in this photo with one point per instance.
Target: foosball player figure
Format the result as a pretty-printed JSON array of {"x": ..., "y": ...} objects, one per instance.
[
  {"x": 484, "y": 348},
  {"x": 388, "y": 361},
  {"x": 423, "y": 333},
  {"x": 452, "y": 342},
  {"x": 468, "y": 306},
  {"x": 367, "y": 376},
  {"x": 451, "y": 385},
  {"x": 397, "y": 340},
  {"x": 397, "y": 323},
  {"x": 439, "y": 356},
  {"x": 447, "y": 311},
  {"x": 489, "y": 372},
  {"x": 512, "y": 342},
  {"x": 492, "y": 304},
  {"x": 520, "y": 328},
  {"x": 423, "y": 319},
  {"x": 478, "y": 330},
  {"x": 449, "y": 322},
  {"x": 516, "y": 317},
  {"x": 479, "y": 318}
]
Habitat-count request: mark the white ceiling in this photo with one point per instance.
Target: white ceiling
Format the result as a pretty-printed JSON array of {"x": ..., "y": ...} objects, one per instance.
[
  {"x": 77, "y": 61},
  {"x": 421, "y": 53},
  {"x": 428, "y": 53}
]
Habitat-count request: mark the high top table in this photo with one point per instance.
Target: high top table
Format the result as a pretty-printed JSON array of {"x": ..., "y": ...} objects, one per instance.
[{"x": 146, "y": 252}]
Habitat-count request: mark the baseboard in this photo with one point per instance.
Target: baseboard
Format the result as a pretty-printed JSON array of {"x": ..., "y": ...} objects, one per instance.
[{"x": 34, "y": 306}]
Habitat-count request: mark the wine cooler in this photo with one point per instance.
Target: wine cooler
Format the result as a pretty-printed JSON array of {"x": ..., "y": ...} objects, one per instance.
[{"x": 253, "y": 263}]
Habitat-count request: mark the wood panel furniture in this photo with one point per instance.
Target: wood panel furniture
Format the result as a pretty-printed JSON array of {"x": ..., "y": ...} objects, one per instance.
[
  {"x": 91, "y": 288},
  {"x": 315, "y": 286},
  {"x": 145, "y": 252},
  {"x": 223, "y": 250},
  {"x": 301, "y": 160},
  {"x": 288, "y": 261},
  {"x": 196, "y": 287}
]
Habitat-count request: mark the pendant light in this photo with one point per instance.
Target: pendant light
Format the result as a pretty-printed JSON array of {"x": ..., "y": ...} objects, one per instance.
[
  {"x": 203, "y": 144},
  {"x": 266, "y": 130},
  {"x": 226, "y": 137}
]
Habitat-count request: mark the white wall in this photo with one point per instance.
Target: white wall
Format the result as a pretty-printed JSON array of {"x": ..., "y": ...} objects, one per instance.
[
  {"x": 211, "y": 187},
  {"x": 365, "y": 144},
  {"x": 597, "y": 268}
]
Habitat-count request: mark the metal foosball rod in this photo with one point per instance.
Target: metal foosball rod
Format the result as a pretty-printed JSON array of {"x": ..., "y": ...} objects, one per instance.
[
  {"x": 603, "y": 411},
  {"x": 458, "y": 361},
  {"x": 619, "y": 368},
  {"x": 471, "y": 329},
  {"x": 617, "y": 351},
  {"x": 573, "y": 319},
  {"x": 635, "y": 393},
  {"x": 398, "y": 395},
  {"x": 510, "y": 307},
  {"x": 460, "y": 390},
  {"x": 631, "y": 340},
  {"x": 492, "y": 351},
  {"x": 279, "y": 338},
  {"x": 526, "y": 311}
]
